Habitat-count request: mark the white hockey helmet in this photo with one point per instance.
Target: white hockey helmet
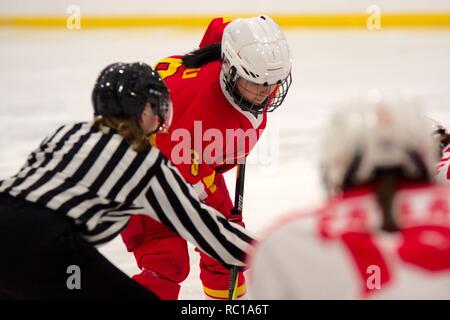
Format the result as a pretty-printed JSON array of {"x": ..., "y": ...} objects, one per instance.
[
  {"x": 375, "y": 132},
  {"x": 256, "y": 49}
]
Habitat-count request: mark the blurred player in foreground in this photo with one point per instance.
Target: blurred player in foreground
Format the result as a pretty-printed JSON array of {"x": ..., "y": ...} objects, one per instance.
[{"x": 384, "y": 231}]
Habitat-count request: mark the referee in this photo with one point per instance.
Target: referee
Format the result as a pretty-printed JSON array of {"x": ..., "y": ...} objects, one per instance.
[{"x": 80, "y": 186}]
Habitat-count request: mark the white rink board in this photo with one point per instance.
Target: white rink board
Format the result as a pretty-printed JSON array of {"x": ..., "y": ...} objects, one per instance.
[{"x": 216, "y": 7}]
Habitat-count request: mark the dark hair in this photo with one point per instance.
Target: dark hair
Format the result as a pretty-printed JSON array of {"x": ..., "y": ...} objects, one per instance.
[
  {"x": 202, "y": 56},
  {"x": 385, "y": 185},
  {"x": 444, "y": 141},
  {"x": 386, "y": 181}
]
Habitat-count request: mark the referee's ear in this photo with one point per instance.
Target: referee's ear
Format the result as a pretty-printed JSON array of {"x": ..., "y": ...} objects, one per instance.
[{"x": 148, "y": 121}]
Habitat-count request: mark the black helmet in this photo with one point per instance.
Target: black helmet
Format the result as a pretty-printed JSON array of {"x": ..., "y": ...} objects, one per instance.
[{"x": 123, "y": 90}]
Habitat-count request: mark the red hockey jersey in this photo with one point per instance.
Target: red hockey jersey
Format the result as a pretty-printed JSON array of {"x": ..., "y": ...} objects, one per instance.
[{"x": 209, "y": 135}]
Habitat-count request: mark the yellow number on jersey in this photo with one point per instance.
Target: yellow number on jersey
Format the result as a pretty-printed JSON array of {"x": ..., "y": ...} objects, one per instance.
[
  {"x": 172, "y": 66},
  {"x": 169, "y": 66}
]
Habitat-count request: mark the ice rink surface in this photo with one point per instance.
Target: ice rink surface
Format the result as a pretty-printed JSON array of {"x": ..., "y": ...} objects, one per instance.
[{"x": 46, "y": 78}]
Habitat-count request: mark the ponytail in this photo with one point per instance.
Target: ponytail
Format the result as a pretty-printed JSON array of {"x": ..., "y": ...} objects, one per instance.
[
  {"x": 385, "y": 186},
  {"x": 202, "y": 56}
]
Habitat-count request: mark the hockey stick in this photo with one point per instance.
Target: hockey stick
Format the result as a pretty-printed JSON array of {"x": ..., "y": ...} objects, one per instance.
[{"x": 238, "y": 203}]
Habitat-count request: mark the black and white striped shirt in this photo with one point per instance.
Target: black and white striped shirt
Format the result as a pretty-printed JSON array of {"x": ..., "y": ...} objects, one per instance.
[{"x": 93, "y": 176}]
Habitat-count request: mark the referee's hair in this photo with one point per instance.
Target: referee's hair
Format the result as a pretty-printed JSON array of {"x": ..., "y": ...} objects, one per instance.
[{"x": 129, "y": 129}]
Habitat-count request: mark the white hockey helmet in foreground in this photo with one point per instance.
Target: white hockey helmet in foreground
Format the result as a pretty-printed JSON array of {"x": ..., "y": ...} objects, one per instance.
[{"x": 376, "y": 131}]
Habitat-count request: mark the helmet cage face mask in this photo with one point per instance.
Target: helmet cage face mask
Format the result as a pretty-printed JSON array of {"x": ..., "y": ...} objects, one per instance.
[
  {"x": 272, "y": 102},
  {"x": 255, "y": 49},
  {"x": 162, "y": 109}
]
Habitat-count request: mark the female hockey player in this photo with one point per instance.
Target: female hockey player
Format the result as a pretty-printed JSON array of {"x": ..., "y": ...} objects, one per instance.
[
  {"x": 241, "y": 71},
  {"x": 80, "y": 186},
  {"x": 442, "y": 138},
  {"x": 384, "y": 233}
]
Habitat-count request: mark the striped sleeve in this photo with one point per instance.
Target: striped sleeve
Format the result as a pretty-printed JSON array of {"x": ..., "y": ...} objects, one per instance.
[{"x": 175, "y": 203}]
